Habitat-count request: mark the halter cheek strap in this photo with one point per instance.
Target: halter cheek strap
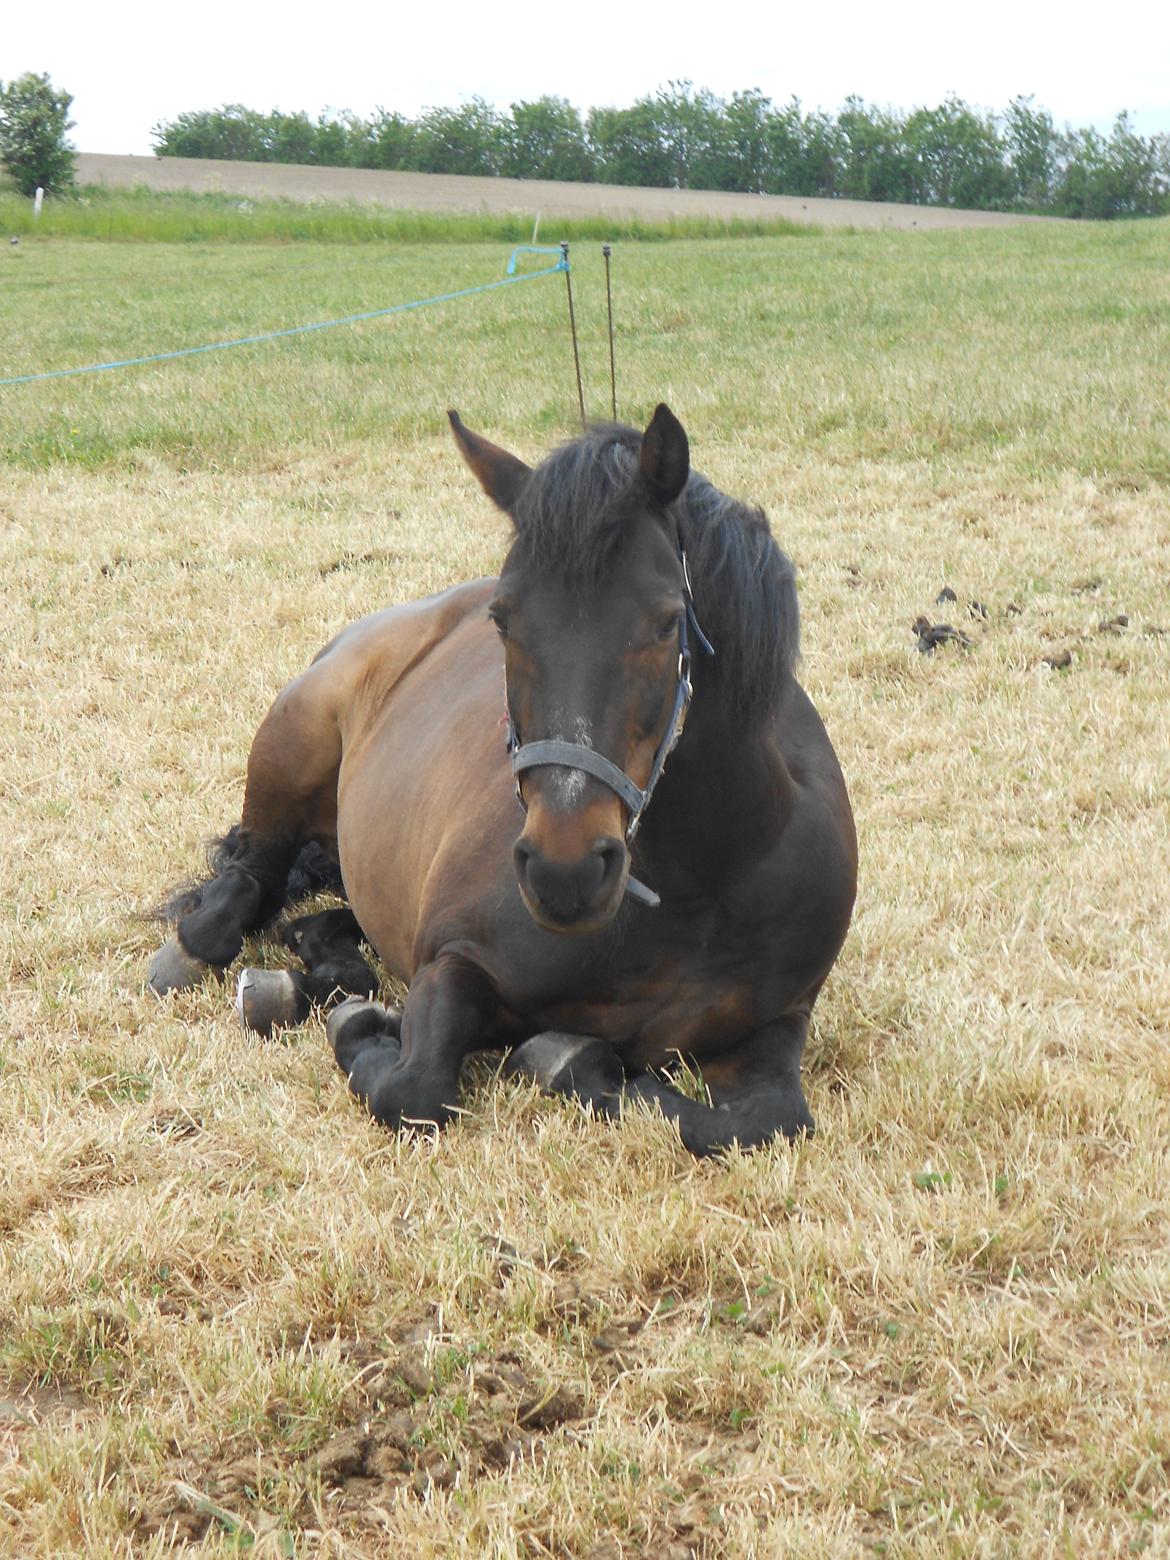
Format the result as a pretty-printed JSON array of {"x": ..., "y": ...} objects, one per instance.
[{"x": 574, "y": 755}]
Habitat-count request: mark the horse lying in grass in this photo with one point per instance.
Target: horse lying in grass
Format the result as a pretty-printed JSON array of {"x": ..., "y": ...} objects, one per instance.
[{"x": 544, "y": 881}]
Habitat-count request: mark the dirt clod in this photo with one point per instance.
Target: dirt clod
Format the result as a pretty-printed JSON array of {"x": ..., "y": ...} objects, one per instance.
[
  {"x": 501, "y": 1377},
  {"x": 499, "y": 1451},
  {"x": 549, "y": 1409},
  {"x": 414, "y": 1373},
  {"x": 503, "y": 1253},
  {"x": 385, "y": 1462},
  {"x": 343, "y": 1456},
  {"x": 572, "y": 1302},
  {"x": 931, "y": 635},
  {"x": 398, "y": 1431},
  {"x": 438, "y": 1471}
]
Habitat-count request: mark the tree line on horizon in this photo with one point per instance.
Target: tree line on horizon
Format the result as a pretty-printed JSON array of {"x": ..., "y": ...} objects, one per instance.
[{"x": 682, "y": 137}]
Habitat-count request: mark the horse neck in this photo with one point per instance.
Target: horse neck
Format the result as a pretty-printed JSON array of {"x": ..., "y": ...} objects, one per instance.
[{"x": 724, "y": 798}]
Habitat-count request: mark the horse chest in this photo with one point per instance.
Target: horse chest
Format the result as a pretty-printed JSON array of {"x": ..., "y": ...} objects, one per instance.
[{"x": 696, "y": 992}]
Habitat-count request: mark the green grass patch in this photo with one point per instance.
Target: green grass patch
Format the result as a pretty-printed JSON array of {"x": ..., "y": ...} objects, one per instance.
[
  {"x": 1008, "y": 345},
  {"x": 142, "y": 215}
]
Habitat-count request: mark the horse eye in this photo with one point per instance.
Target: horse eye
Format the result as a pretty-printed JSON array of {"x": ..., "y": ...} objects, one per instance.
[
  {"x": 668, "y": 628},
  {"x": 500, "y": 623}
]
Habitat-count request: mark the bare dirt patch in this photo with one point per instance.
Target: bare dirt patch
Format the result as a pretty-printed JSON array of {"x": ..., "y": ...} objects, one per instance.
[{"x": 452, "y": 192}]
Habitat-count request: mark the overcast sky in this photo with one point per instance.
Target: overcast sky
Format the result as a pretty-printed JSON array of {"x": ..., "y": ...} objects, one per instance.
[{"x": 129, "y": 64}]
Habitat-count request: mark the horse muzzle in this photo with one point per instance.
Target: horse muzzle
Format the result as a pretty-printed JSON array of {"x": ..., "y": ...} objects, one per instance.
[{"x": 579, "y": 893}]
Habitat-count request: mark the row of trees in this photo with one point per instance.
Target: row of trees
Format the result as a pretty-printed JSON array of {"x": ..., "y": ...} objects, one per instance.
[{"x": 687, "y": 138}]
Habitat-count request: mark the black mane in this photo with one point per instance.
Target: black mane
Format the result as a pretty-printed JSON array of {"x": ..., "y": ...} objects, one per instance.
[{"x": 570, "y": 521}]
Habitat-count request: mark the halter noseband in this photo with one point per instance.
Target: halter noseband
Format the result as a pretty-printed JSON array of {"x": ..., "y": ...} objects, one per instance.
[{"x": 575, "y": 755}]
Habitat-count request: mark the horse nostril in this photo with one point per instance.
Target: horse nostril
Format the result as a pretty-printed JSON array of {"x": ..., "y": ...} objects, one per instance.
[
  {"x": 522, "y": 854},
  {"x": 612, "y": 855}
]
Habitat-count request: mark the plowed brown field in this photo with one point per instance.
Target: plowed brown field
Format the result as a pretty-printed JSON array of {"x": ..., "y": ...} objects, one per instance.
[{"x": 451, "y": 192}]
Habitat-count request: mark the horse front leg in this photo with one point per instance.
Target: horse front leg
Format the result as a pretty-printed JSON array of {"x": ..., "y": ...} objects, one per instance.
[
  {"x": 755, "y": 1088},
  {"x": 407, "y": 1073}
]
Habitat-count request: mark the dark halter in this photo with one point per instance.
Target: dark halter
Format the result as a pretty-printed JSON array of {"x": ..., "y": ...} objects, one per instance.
[{"x": 574, "y": 755}]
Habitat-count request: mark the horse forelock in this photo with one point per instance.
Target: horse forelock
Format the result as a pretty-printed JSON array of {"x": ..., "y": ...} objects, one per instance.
[
  {"x": 570, "y": 522},
  {"x": 569, "y": 515}
]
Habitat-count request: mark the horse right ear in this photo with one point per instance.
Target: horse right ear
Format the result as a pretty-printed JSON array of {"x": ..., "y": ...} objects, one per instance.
[
  {"x": 502, "y": 476},
  {"x": 665, "y": 457}
]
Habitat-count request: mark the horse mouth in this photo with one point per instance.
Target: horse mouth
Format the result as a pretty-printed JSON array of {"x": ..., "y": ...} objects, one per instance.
[{"x": 570, "y": 912}]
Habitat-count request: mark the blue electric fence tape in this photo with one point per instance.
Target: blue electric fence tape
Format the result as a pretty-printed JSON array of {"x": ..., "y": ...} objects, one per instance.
[{"x": 300, "y": 330}]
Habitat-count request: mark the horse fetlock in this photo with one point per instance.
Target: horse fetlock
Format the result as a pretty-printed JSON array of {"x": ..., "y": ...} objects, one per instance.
[
  {"x": 268, "y": 1000},
  {"x": 228, "y": 906},
  {"x": 318, "y": 936},
  {"x": 357, "y": 1025},
  {"x": 581, "y": 1066},
  {"x": 744, "y": 1121},
  {"x": 174, "y": 969}
]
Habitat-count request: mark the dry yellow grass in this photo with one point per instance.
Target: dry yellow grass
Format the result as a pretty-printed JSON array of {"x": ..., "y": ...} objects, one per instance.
[{"x": 234, "y": 1312}]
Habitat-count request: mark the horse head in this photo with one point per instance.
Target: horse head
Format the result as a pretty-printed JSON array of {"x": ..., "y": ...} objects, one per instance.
[{"x": 592, "y": 607}]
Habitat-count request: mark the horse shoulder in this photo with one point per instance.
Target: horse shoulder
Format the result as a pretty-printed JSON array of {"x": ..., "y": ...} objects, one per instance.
[{"x": 800, "y": 892}]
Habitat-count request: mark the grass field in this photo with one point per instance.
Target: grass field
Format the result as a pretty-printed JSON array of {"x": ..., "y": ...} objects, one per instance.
[
  {"x": 235, "y": 1313},
  {"x": 182, "y": 216}
]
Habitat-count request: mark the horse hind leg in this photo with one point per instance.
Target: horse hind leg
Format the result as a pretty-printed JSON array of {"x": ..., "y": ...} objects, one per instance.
[
  {"x": 246, "y": 890},
  {"x": 328, "y": 944},
  {"x": 290, "y": 799}
]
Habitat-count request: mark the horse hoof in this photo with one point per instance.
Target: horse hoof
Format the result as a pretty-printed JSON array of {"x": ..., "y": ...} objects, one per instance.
[
  {"x": 267, "y": 1000},
  {"x": 577, "y": 1065},
  {"x": 362, "y": 1019},
  {"x": 174, "y": 969}
]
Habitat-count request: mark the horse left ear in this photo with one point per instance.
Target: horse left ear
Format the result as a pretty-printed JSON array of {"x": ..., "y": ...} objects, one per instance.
[
  {"x": 665, "y": 461},
  {"x": 502, "y": 476}
]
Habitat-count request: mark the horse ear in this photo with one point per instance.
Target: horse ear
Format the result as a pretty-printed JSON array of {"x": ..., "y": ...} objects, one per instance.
[
  {"x": 501, "y": 475},
  {"x": 665, "y": 461}
]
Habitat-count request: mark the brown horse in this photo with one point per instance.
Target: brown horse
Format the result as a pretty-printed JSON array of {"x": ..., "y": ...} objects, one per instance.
[{"x": 544, "y": 903}]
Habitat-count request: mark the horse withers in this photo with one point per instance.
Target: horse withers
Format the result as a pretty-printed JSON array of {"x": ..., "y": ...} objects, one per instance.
[{"x": 633, "y": 847}]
